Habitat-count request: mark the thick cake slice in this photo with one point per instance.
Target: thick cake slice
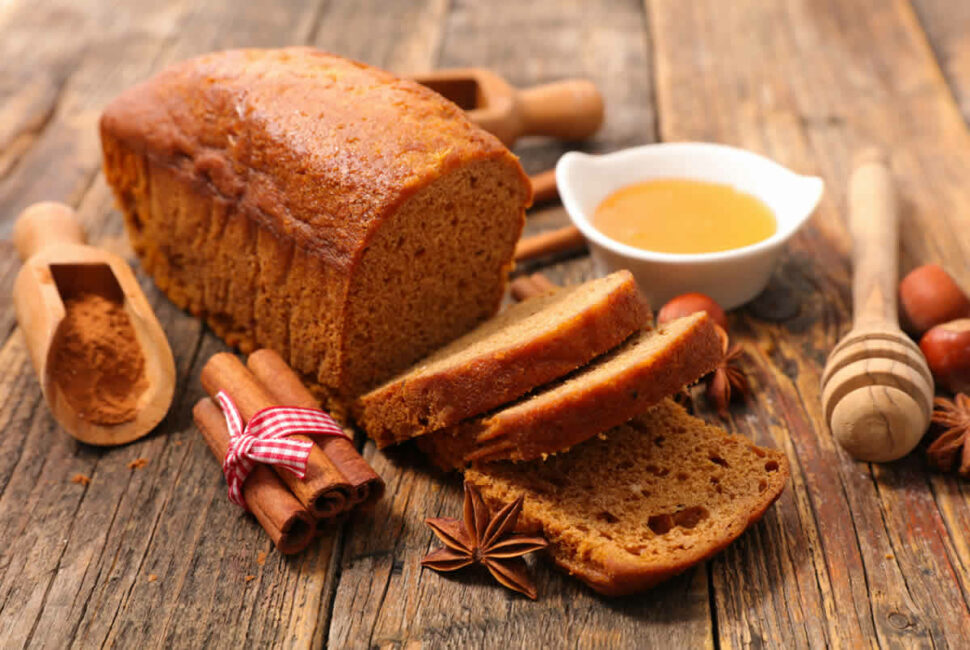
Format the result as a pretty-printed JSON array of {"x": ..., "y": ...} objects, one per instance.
[
  {"x": 649, "y": 366},
  {"x": 642, "y": 503},
  {"x": 527, "y": 345}
]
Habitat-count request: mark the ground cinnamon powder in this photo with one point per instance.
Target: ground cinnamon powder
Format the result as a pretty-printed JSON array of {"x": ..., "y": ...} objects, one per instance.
[{"x": 96, "y": 360}]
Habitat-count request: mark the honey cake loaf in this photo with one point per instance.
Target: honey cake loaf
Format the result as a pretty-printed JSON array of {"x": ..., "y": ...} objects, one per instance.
[
  {"x": 644, "y": 502},
  {"x": 651, "y": 365},
  {"x": 348, "y": 219},
  {"x": 527, "y": 345}
]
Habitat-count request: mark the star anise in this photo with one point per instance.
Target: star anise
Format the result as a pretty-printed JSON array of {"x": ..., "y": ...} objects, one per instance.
[
  {"x": 727, "y": 380},
  {"x": 487, "y": 540},
  {"x": 955, "y": 416}
]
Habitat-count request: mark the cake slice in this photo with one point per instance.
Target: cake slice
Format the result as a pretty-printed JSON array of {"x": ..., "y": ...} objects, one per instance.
[
  {"x": 527, "y": 345},
  {"x": 642, "y": 503},
  {"x": 651, "y": 365}
]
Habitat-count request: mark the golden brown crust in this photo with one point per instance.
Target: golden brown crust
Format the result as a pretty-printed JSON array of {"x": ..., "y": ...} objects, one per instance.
[
  {"x": 318, "y": 148},
  {"x": 566, "y": 498},
  {"x": 421, "y": 401},
  {"x": 565, "y": 415}
]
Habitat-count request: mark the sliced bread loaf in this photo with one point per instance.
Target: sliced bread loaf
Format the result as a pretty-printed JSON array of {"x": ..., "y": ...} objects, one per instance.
[
  {"x": 642, "y": 503},
  {"x": 348, "y": 219},
  {"x": 527, "y": 345},
  {"x": 648, "y": 367}
]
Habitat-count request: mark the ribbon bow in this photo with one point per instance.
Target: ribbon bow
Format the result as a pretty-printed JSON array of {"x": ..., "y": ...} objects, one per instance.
[{"x": 263, "y": 440}]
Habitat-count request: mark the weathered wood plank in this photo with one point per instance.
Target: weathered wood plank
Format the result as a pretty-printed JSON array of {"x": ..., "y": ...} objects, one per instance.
[
  {"x": 947, "y": 25},
  {"x": 851, "y": 555},
  {"x": 403, "y": 37},
  {"x": 79, "y": 565},
  {"x": 862, "y": 554}
]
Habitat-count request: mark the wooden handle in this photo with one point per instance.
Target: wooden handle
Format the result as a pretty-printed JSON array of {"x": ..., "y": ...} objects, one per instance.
[
  {"x": 571, "y": 109},
  {"x": 874, "y": 223},
  {"x": 44, "y": 224},
  {"x": 544, "y": 187}
]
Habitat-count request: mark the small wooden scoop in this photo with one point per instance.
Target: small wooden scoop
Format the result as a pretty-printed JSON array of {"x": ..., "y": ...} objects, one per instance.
[
  {"x": 58, "y": 266},
  {"x": 877, "y": 391},
  {"x": 570, "y": 109}
]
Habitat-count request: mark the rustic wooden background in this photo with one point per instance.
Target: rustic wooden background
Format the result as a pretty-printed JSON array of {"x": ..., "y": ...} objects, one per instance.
[{"x": 852, "y": 555}]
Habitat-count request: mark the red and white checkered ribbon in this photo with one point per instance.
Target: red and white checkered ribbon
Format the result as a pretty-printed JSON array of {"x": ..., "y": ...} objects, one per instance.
[{"x": 263, "y": 440}]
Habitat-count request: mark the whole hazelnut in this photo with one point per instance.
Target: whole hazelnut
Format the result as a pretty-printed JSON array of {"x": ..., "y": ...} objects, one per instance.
[
  {"x": 691, "y": 303},
  {"x": 928, "y": 296},
  {"x": 947, "y": 351}
]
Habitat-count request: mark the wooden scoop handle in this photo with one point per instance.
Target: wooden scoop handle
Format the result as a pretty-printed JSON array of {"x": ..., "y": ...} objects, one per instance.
[
  {"x": 874, "y": 223},
  {"x": 44, "y": 224},
  {"x": 571, "y": 109}
]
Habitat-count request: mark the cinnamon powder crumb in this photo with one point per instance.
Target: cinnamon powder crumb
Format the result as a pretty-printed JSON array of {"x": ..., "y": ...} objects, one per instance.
[
  {"x": 152, "y": 577},
  {"x": 96, "y": 360},
  {"x": 138, "y": 463},
  {"x": 249, "y": 578},
  {"x": 81, "y": 479},
  {"x": 261, "y": 558}
]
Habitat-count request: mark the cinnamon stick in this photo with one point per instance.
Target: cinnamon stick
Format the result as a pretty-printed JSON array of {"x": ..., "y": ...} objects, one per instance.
[
  {"x": 544, "y": 283},
  {"x": 325, "y": 526},
  {"x": 530, "y": 286},
  {"x": 547, "y": 243},
  {"x": 286, "y": 388},
  {"x": 283, "y": 518},
  {"x": 544, "y": 187},
  {"x": 324, "y": 490}
]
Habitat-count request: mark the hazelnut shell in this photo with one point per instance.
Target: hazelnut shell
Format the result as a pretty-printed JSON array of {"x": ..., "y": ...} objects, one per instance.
[
  {"x": 947, "y": 351},
  {"x": 929, "y": 296},
  {"x": 691, "y": 303}
]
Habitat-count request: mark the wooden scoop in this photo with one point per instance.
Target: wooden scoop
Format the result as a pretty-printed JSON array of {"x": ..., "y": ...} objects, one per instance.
[
  {"x": 58, "y": 266},
  {"x": 877, "y": 391},
  {"x": 570, "y": 109}
]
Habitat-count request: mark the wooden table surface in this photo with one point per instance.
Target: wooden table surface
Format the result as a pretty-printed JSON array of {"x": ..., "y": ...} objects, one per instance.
[{"x": 852, "y": 554}]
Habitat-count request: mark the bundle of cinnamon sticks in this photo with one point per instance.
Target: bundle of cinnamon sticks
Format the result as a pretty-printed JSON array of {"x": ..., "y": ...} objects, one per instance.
[{"x": 290, "y": 509}]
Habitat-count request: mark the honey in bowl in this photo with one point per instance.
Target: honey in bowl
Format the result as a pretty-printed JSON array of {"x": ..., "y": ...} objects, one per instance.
[{"x": 684, "y": 216}]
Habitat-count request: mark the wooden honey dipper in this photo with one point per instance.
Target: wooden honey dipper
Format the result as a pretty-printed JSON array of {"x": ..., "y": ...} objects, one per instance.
[{"x": 877, "y": 391}]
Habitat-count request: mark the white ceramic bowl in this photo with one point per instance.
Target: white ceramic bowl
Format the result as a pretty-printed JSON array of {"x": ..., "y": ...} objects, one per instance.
[{"x": 731, "y": 277}]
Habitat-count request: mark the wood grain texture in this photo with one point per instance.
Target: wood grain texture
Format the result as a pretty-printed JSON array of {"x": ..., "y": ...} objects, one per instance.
[
  {"x": 947, "y": 26},
  {"x": 79, "y": 560},
  {"x": 829, "y": 78},
  {"x": 852, "y": 555}
]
